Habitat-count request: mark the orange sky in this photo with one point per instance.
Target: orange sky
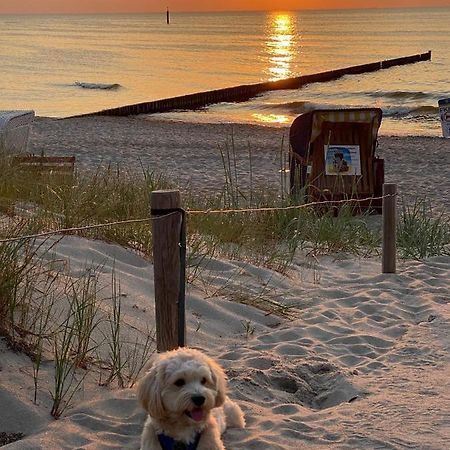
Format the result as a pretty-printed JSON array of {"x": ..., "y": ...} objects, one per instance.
[{"x": 66, "y": 6}]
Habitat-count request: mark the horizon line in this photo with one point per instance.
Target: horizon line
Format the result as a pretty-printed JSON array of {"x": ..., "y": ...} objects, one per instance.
[{"x": 221, "y": 11}]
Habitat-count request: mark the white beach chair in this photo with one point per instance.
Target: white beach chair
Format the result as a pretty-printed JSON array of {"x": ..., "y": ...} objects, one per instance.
[{"x": 15, "y": 130}]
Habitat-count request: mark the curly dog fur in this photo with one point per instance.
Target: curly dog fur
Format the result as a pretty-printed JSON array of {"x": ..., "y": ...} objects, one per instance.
[{"x": 184, "y": 393}]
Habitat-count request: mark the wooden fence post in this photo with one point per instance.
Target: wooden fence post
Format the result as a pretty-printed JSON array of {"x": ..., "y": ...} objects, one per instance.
[
  {"x": 167, "y": 229},
  {"x": 389, "y": 228}
]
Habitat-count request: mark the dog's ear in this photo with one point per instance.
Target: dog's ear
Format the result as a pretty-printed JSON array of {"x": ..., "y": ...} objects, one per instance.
[
  {"x": 219, "y": 379},
  {"x": 149, "y": 389}
]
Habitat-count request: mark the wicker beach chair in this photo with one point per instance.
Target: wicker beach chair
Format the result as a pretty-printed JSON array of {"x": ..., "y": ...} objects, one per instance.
[
  {"x": 15, "y": 130},
  {"x": 333, "y": 157}
]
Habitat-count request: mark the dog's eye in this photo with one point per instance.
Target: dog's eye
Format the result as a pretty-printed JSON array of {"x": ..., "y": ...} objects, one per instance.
[
  {"x": 180, "y": 382},
  {"x": 204, "y": 380}
]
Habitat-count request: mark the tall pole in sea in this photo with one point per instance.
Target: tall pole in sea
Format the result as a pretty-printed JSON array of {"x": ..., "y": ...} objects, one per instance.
[{"x": 168, "y": 16}]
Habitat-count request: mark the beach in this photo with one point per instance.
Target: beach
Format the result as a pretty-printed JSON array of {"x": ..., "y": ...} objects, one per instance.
[
  {"x": 190, "y": 152},
  {"x": 359, "y": 361}
]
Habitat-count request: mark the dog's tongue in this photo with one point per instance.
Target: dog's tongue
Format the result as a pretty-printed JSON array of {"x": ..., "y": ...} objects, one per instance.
[{"x": 197, "y": 414}]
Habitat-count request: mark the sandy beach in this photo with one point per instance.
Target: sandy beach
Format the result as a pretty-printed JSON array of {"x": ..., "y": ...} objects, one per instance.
[
  {"x": 361, "y": 361},
  {"x": 189, "y": 153}
]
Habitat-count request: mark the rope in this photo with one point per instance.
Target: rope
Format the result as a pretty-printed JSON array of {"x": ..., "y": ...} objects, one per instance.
[
  {"x": 190, "y": 212},
  {"x": 284, "y": 208},
  {"x": 75, "y": 229}
]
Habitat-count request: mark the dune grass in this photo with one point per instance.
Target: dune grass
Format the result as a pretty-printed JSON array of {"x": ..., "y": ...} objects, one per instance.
[
  {"x": 112, "y": 194},
  {"x": 50, "y": 316},
  {"x": 64, "y": 201},
  {"x": 271, "y": 238},
  {"x": 266, "y": 238},
  {"x": 422, "y": 233}
]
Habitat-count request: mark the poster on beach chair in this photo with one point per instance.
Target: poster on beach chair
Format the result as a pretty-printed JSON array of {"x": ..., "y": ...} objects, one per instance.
[{"x": 342, "y": 160}]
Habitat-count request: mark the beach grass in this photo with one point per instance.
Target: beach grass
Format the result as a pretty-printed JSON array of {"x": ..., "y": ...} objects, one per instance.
[
  {"x": 267, "y": 238},
  {"x": 106, "y": 195},
  {"x": 422, "y": 232},
  {"x": 50, "y": 316}
]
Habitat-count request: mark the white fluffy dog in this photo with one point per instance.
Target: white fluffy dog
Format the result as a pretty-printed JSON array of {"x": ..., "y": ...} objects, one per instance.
[{"x": 184, "y": 393}]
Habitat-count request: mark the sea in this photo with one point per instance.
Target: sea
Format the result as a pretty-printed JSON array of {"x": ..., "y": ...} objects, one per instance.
[{"x": 64, "y": 65}]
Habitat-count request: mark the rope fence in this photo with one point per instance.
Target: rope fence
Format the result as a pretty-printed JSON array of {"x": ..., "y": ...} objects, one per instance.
[
  {"x": 194, "y": 212},
  {"x": 168, "y": 220}
]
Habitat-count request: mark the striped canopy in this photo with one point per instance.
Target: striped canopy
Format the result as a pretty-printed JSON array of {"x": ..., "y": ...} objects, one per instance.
[
  {"x": 307, "y": 127},
  {"x": 372, "y": 116}
]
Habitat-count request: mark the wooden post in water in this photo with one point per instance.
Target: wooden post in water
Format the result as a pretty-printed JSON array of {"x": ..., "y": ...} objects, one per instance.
[
  {"x": 389, "y": 228},
  {"x": 168, "y": 16},
  {"x": 167, "y": 228}
]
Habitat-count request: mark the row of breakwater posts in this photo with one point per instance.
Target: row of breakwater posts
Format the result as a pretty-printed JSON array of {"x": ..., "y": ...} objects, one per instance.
[
  {"x": 169, "y": 252},
  {"x": 248, "y": 91}
]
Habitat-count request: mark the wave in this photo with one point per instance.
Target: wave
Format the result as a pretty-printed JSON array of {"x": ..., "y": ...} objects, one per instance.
[
  {"x": 297, "y": 107},
  {"x": 401, "y": 95},
  {"x": 404, "y": 111},
  {"x": 104, "y": 86},
  {"x": 300, "y": 107}
]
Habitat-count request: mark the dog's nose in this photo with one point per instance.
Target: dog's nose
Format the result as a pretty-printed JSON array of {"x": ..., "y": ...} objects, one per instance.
[{"x": 198, "y": 400}]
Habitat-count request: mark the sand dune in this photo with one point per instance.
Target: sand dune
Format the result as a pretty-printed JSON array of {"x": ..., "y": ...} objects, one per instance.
[{"x": 362, "y": 362}]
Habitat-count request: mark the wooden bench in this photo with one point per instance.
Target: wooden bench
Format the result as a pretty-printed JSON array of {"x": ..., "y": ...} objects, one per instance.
[{"x": 60, "y": 164}]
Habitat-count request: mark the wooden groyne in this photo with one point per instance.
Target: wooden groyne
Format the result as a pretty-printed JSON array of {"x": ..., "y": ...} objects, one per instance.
[{"x": 245, "y": 92}]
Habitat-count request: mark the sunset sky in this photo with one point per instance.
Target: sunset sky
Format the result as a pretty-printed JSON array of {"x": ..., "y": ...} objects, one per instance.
[{"x": 74, "y": 6}]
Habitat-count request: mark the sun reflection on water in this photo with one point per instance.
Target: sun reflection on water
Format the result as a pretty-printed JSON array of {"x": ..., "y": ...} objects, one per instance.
[
  {"x": 280, "y": 45},
  {"x": 271, "y": 118}
]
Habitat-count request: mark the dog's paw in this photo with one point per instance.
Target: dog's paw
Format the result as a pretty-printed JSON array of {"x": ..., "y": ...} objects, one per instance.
[{"x": 234, "y": 415}]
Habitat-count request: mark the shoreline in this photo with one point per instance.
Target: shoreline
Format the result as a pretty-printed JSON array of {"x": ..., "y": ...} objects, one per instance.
[
  {"x": 393, "y": 131},
  {"x": 156, "y": 118},
  {"x": 189, "y": 152}
]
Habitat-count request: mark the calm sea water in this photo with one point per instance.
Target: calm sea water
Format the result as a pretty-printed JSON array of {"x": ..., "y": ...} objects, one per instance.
[{"x": 61, "y": 65}]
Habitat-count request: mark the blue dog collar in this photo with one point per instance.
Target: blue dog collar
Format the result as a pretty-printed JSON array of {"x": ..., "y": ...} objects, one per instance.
[{"x": 169, "y": 443}]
